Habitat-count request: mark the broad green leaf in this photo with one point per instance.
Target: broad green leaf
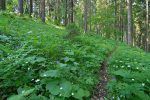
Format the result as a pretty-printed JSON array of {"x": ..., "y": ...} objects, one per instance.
[
  {"x": 66, "y": 59},
  {"x": 123, "y": 73},
  {"x": 27, "y": 92},
  {"x": 16, "y": 97},
  {"x": 81, "y": 93},
  {"x": 51, "y": 73},
  {"x": 73, "y": 68},
  {"x": 142, "y": 95},
  {"x": 62, "y": 65},
  {"x": 40, "y": 59},
  {"x": 66, "y": 88},
  {"x": 53, "y": 87},
  {"x": 39, "y": 97}
]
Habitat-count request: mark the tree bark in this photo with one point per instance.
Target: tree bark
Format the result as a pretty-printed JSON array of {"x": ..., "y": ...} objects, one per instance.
[
  {"x": 71, "y": 15},
  {"x": 66, "y": 12},
  {"x": 95, "y": 10},
  {"x": 31, "y": 7},
  {"x": 90, "y": 15},
  {"x": 20, "y": 8},
  {"x": 49, "y": 8},
  {"x": 85, "y": 16},
  {"x": 115, "y": 16},
  {"x": 2, "y": 4},
  {"x": 147, "y": 26},
  {"x": 43, "y": 10},
  {"x": 121, "y": 19},
  {"x": 40, "y": 6},
  {"x": 129, "y": 37}
]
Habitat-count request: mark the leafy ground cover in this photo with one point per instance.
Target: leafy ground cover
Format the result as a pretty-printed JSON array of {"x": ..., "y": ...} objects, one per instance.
[
  {"x": 129, "y": 69},
  {"x": 38, "y": 63}
]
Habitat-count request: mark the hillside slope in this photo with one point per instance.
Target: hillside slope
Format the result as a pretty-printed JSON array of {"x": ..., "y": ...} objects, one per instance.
[{"x": 37, "y": 62}]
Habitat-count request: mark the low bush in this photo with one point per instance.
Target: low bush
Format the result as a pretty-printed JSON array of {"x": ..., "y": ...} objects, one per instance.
[
  {"x": 129, "y": 69},
  {"x": 72, "y": 30}
]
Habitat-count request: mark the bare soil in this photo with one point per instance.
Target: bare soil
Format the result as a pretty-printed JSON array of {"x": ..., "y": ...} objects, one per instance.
[{"x": 100, "y": 92}]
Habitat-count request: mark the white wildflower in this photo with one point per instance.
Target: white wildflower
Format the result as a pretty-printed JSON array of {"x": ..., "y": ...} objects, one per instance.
[
  {"x": 122, "y": 66},
  {"x": 72, "y": 93},
  {"x": 29, "y": 32},
  {"x": 129, "y": 66},
  {"x": 37, "y": 80},
  {"x": 23, "y": 91},
  {"x": 132, "y": 79},
  {"x": 143, "y": 84},
  {"x": 118, "y": 98},
  {"x": 44, "y": 75},
  {"x": 29, "y": 68},
  {"x": 61, "y": 88}
]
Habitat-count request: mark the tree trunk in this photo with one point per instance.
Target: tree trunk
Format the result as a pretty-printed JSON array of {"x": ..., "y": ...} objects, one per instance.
[
  {"x": 115, "y": 16},
  {"x": 40, "y": 6},
  {"x": 121, "y": 19},
  {"x": 20, "y": 8},
  {"x": 147, "y": 27},
  {"x": 90, "y": 15},
  {"x": 85, "y": 16},
  {"x": 129, "y": 37},
  {"x": 66, "y": 12},
  {"x": 43, "y": 10},
  {"x": 115, "y": 24},
  {"x": 95, "y": 10},
  {"x": 1, "y": 1},
  {"x": 2, "y": 4},
  {"x": 31, "y": 7},
  {"x": 71, "y": 15},
  {"x": 49, "y": 8}
]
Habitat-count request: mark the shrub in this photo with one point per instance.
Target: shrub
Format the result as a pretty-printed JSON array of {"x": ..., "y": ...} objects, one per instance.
[{"x": 73, "y": 29}]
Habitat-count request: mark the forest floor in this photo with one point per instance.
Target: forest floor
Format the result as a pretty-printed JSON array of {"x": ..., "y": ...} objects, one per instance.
[
  {"x": 100, "y": 92},
  {"x": 38, "y": 63}
]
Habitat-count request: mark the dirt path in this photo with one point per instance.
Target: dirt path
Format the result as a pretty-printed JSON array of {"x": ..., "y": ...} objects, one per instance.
[{"x": 101, "y": 92}]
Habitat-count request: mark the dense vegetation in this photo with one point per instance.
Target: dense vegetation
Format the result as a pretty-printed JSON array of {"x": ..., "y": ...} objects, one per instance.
[
  {"x": 123, "y": 20},
  {"x": 74, "y": 50},
  {"x": 41, "y": 63},
  {"x": 129, "y": 69}
]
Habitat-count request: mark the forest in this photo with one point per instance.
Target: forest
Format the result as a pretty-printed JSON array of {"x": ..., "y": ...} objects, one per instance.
[{"x": 74, "y": 50}]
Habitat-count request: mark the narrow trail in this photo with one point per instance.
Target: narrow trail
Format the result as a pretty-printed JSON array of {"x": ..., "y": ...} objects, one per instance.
[{"x": 101, "y": 92}]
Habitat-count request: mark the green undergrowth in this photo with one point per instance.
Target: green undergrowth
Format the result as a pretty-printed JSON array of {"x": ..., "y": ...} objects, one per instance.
[
  {"x": 130, "y": 71},
  {"x": 38, "y": 63}
]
